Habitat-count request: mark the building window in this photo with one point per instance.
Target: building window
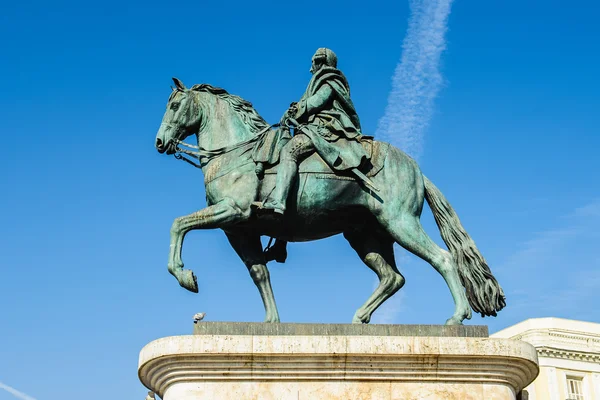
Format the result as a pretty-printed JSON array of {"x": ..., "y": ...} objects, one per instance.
[{"x": 574, "y": 388}]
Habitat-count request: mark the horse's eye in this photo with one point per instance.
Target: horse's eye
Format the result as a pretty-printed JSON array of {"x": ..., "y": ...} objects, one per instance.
[{"x": 175, "y": 106}]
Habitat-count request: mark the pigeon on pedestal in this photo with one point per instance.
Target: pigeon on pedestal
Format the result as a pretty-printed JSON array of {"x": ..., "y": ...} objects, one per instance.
[{"x": 199, "y": 317}]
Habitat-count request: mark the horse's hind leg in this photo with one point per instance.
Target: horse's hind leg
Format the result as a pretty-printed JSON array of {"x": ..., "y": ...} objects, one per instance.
[
  {"x": 377, "y": 253},
  {"x": 249, "y": 248},
  {"x": 409, "y": 233}
]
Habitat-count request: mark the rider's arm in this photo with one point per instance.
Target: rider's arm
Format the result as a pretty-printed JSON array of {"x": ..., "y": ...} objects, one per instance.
[{"x": 314, "y": 103}]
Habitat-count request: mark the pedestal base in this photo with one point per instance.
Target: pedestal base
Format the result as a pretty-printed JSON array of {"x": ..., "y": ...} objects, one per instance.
[{"x": 340, "y": 367}]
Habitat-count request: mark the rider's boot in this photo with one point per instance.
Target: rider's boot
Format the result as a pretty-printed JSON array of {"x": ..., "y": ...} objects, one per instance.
[{"x": 285, "y": 177}]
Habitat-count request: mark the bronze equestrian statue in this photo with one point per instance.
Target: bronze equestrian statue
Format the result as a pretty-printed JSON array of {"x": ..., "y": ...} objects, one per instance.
[{"x": 326, "y": 179}]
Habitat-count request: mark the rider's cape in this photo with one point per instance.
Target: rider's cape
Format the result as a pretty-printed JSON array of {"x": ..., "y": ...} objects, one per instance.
[{"x": 332, "y": 122}]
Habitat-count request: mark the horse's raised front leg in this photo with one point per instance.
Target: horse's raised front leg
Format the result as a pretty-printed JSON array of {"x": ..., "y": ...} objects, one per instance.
[
  {"x": 377, "y": 252},
  {"x": 249, "y": 248},
  {"x": 219, "y": 215}
]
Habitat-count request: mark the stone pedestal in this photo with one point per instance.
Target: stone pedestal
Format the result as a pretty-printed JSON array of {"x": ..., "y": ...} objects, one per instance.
[{"x": 341, "y": 362}]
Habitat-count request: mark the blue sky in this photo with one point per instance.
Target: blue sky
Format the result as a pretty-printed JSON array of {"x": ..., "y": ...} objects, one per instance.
[{"x": 87, "y": 202}]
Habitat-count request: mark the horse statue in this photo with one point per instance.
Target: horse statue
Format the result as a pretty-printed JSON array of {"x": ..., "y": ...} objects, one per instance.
[{"x": 321, "y": 204}]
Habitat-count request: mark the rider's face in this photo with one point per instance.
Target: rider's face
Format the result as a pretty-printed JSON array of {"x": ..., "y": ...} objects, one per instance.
[{"x": 317, "y": 63}]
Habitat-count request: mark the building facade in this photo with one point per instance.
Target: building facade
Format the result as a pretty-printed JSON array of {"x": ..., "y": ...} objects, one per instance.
[{"x": 569, "y": 357}]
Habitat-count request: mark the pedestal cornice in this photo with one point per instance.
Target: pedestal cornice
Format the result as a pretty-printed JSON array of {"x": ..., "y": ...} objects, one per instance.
[{"x": 447, "y": 360}]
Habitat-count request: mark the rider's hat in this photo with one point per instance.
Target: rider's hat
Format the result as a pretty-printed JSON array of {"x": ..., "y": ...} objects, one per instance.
[{"x": 327, "y": 56}]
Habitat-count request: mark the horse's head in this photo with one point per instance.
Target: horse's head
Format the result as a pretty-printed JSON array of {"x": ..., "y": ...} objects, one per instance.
[{"x": 181, "y": 119}]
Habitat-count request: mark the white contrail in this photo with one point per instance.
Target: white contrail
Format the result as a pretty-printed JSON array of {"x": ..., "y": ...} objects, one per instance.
[
  {"x": 15, "y": 392},
  {"x": 417, "y": 79},
  {"x": 415, "y": 84}
]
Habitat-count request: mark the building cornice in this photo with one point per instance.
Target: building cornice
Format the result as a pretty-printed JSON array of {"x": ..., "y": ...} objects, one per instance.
[
  {"x": 580, "y": 344},
  {"x": 562, "y": 354}
]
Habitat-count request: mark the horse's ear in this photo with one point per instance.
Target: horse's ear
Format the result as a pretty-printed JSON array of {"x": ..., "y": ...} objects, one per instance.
[
  {"x": 173, "y": 89},
  {"x": 179, "y": 84}
]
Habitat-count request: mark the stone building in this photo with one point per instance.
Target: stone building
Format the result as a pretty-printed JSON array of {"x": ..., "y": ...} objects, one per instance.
[{"x": 569, "y": 357}]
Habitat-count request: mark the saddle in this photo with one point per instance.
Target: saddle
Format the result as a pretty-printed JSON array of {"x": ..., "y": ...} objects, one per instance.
[{"x": 314, "y": 164}]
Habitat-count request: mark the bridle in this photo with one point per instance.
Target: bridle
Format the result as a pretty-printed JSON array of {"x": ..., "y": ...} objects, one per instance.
[{"x": 205, "y": 155}]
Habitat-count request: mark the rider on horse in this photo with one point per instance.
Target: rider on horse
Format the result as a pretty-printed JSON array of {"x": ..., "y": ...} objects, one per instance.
[
  {"x": 227, "y": 127},
  {"x": 329, "y": 125}
]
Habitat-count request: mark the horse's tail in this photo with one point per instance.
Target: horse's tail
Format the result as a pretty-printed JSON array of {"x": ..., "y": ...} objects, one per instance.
[{"x": 483, "y": 291}]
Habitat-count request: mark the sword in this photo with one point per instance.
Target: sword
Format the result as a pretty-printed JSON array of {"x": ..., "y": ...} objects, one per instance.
[
  {"x": 362, "y": 177},
  {"x": 369, "y": 183}
]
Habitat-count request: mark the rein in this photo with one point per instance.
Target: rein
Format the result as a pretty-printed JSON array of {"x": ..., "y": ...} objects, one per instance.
[{"x": 205, "y": 156}]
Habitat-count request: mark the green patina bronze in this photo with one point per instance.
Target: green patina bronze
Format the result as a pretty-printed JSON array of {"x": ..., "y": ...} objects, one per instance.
[{"x": 325, "y": 179}]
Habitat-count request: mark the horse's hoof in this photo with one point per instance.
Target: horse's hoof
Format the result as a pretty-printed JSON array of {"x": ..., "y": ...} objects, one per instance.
[
  {"x": 454, "y": 321},
  {"x": 357, "y": 320},
  {"x": 272, "y": 320},
  {"x": 189, "y": 281}
]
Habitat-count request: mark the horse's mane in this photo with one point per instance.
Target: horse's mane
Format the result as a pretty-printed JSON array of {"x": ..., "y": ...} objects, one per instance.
[{"x": 242, "y": 107}]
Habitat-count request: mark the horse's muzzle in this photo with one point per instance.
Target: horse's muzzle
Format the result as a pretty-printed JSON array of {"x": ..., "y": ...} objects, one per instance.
[
  {"x": 168, "y": 147},
  {"x": 159, "y": 146}
]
